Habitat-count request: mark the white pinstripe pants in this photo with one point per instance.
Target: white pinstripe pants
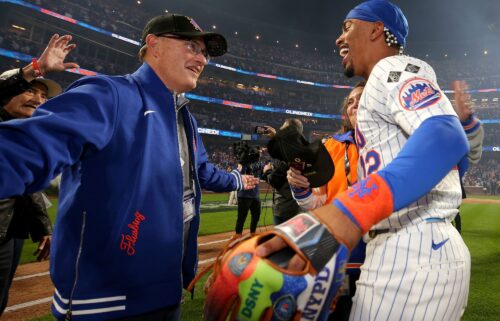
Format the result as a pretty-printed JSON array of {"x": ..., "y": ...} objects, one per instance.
[{"x": 421, "y": 272}]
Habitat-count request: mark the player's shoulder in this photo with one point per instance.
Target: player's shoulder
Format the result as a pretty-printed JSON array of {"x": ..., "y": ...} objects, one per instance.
[{"x": 394, "y": 70}]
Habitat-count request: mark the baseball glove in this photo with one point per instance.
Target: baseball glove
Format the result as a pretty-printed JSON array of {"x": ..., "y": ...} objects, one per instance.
[{"x": 246, "y": 287}]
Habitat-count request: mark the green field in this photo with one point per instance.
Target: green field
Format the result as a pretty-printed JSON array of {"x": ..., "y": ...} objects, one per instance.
[{"x": 480, "y": 228}]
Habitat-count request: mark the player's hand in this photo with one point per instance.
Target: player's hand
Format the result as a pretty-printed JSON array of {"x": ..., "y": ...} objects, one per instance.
[
  {"x": 296, "y": 179},
  {"x": 463, "y": 102},
  {"x": 276, "y": 244},
  {"x": 43, "y": 250},
  {"x": 52, "y": 58},
  {"x": 249, "y": 182}
]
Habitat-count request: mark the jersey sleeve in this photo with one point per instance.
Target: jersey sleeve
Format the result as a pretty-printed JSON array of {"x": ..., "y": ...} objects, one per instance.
[{"x": 416, "y": 96}]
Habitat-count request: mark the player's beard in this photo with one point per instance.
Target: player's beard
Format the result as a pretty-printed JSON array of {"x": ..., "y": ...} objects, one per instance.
[{"x": 349, "y": 71}]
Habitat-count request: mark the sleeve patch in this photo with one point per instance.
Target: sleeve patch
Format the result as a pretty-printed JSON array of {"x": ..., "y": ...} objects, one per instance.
[
  {"x": 412, "y": 68},
  {"x": 394, "y": 76},
  {"x": 418, "y": 93}
]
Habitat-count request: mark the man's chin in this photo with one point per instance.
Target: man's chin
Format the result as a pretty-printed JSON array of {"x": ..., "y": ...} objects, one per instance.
[{"x": 349, "y": 72}]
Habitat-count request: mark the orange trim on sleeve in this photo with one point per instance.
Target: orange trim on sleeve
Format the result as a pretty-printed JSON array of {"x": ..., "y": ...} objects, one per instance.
[{"x": 368, "y": 202}]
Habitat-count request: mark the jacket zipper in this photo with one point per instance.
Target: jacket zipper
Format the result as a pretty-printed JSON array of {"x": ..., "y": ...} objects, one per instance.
[{"x": 80, "y": 247}]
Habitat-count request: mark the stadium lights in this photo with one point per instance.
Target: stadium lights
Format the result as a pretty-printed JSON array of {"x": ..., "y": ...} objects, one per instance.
[
  {"x": 214, "y": 27},
  {"x": 446, "y": 55},
  {"x": 296, "y": 45},
  {"x": 166, "y": 11},
  {"x": 257, "y": 37},
  {"x": 315, "y": 49},
  {"x": 18, "y": 27},
  {"x": 138, "y": 2},
  {"x": 485, "y": 52},
  {"x": 427, "y": 55},
  {"x": 236, "y": 32},
  {"x": 465, "y": 54},
  {"x": 277, "y": 41}
]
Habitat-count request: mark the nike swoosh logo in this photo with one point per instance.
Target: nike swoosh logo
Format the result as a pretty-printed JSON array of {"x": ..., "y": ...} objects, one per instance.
[
  {"x": 149, "y": 112},
  {"x": 436, "y": 246}
]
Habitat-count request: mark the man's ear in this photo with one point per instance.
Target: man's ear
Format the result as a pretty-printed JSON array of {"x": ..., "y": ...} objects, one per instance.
[
  {"x": 152, "y": 43},
  {"x": 377, "y": 30}
]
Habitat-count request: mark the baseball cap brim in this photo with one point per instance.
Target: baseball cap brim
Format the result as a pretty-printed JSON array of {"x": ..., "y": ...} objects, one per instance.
[
  {"x": 290, "y": 146},
  {"x": 216, "y": 44}
]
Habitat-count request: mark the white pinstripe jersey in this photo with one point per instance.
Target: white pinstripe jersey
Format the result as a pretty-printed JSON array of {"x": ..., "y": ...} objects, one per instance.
[{"x": 400, "y": 94}]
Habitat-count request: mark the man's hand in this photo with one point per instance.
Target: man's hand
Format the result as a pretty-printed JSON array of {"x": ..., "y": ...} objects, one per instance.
[
  {"x": 43, "y": 249},
  {"x": 268, "y": 167},
  {"x": 296, "y": 179},
  {"x": 52, "y": 58},
  {"x": 249, "y": 182},
  {"x": 463, "y": 102},
  {"x": 270, "y": 132}
]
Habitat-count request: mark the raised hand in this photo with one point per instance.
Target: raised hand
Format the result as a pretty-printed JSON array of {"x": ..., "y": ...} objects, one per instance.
[{"x": 52, "y": 58}]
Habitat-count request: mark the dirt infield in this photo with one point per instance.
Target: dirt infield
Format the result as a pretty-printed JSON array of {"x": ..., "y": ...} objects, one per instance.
[
  {"x": 32, "y": 289},
  {"x": 480, "y": 201}
]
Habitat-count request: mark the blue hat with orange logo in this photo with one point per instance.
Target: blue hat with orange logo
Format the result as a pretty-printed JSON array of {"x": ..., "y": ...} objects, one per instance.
[{"x": 385, "y": 11}]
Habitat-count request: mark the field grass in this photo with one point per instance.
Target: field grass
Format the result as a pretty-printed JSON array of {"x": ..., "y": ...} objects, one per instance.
[{"x": 480, "y": 228}]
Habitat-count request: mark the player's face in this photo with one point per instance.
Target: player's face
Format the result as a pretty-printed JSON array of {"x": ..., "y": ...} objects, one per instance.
[
  {"x": 352, "y": 45},
  {"x": 353, "y": 103},
  {"x": 180, "y": 62},
  {"x": 25, "y": 104}
]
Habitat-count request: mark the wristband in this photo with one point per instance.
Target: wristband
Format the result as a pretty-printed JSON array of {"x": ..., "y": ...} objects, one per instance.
[{"x": 36, "y": 67}]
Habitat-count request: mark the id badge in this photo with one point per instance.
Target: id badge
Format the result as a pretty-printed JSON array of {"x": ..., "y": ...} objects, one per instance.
[{"x": 188, "y": 208}]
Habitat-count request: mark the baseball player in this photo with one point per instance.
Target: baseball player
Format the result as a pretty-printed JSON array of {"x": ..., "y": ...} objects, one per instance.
[
  {"x": 417, "y": 265},
  {"x": 410, "y": 140}
]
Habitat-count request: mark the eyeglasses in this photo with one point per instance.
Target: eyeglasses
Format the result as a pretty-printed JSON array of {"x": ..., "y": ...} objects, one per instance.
[{"x": 194, "y": 47}]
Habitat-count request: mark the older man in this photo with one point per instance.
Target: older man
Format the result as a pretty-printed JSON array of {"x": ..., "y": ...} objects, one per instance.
[
  {"x": 133, "y": 168},
  {"x": 21, "y": 92}
]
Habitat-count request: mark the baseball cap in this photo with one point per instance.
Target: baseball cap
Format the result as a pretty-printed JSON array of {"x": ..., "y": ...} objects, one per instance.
[
  {"x": 385, "y": 11},
  {"x": 184, "y": 26},
  {"x": 53, "y": 88},
  {"x": 290, "y": 146}
]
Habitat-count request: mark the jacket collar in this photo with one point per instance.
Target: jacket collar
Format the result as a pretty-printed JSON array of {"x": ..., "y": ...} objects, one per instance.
[
  {"x": 345, "y": 137},
  {"x": 4, "y": 115},
  {"x": 152, "y": 85}
]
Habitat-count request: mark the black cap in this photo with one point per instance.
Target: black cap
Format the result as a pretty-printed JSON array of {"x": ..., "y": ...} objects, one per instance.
[
  {"x": 314, "y": 161},
  {"x": 183, "y": 26}
]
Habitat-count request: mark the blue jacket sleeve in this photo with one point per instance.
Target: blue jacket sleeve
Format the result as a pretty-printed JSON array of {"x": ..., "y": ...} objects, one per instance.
[
  {"x": 35, "y": 150},
  {"x": 435, "y": 147},
  {"x": 214, "y": 179}
]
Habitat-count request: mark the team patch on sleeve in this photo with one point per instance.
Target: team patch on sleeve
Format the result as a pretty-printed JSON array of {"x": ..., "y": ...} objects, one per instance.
[
  {"x": 412, "y": 68},
  {"x": 418, "y": 93},
  {"x": 394, "y": 76}
]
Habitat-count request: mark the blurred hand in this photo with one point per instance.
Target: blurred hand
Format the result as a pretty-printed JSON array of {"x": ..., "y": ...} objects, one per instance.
[
  {"x": 463, "y": 102},
  {"x": 270, "y": 132},
  {"x": 268, "y": 167},
  {"x": 52, "y": 58},
  {"x": 249, "y": 182},
  {"x": 296, "y": 179},
  {"x": 43, "y": 250}
]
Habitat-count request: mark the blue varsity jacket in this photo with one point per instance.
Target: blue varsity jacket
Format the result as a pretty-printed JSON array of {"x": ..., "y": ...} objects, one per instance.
[{"x": 118, "y": 240}]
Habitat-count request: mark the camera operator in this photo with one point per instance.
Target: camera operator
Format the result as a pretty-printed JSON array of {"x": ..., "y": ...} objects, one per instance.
[
  {"x": 248, "y": 164},
  {"x": 284, "y": 205}
]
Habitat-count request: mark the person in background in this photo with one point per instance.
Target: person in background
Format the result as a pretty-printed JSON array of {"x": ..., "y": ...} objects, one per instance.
[{"x": 21, "y": 216}]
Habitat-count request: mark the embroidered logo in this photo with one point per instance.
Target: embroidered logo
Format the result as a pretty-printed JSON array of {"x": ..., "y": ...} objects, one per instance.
[
  {"x": 436, "y": 246},
  {"x": 418, "y": 93},
  {"x": 412, "y": 68},
  {"x": 366, "y": 190},
  {"x": 195, "y": 25},
  {"x": 128, "y": 240},
  {"x": 394, "y": 76}
]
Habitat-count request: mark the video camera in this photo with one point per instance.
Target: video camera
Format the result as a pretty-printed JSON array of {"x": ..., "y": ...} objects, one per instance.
[{"x": 246, "y": 154}]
